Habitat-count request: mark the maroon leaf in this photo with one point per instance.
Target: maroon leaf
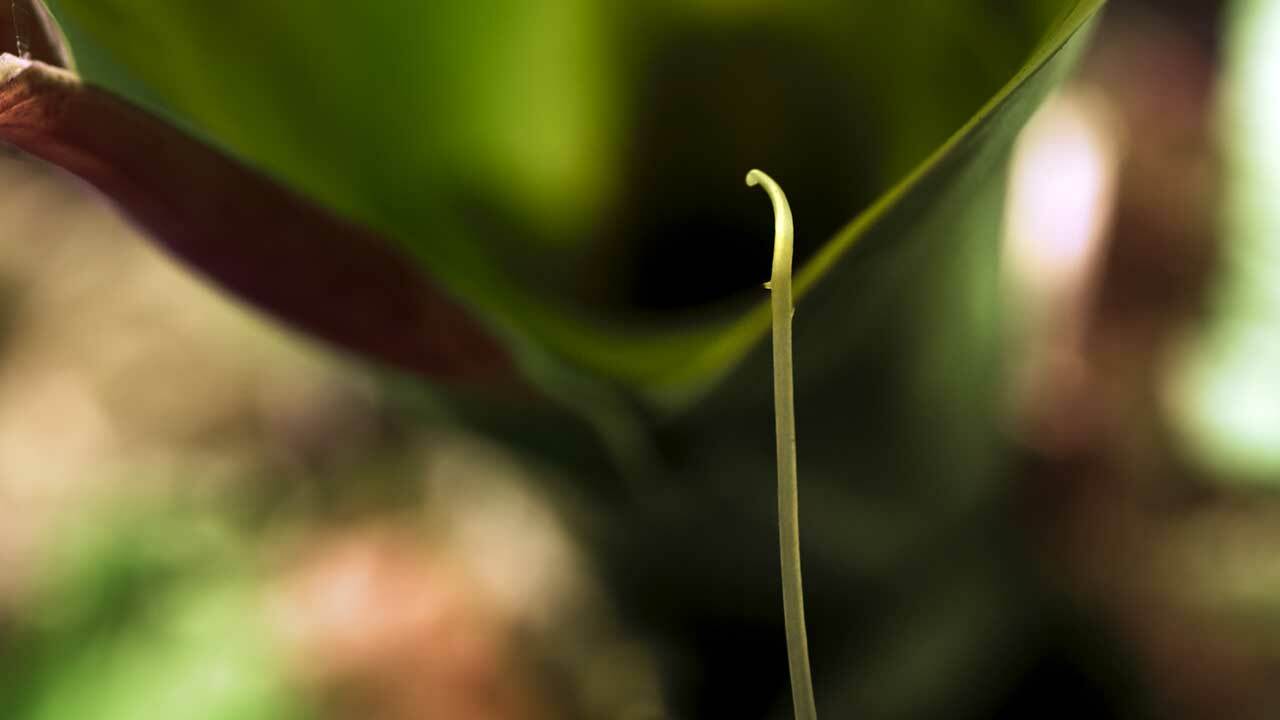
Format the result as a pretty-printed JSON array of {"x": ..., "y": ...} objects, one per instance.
[{"x": 265, "y": 243}]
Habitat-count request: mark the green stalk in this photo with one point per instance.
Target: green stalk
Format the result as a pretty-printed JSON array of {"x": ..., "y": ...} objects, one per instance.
[{"x": 785, "y": 418}]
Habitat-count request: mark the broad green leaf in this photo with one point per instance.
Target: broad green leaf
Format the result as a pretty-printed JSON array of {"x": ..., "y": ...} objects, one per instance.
[{"x": 549, "y": 163}]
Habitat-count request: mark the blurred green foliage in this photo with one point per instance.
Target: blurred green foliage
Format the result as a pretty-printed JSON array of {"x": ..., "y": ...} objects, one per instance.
[
  {"x": 1226, "y": 391},
  {"x": 146, "y": 615}
]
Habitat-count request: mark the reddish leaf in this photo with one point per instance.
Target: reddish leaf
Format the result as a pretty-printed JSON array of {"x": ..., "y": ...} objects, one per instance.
[{"x": 338, "y": 281}]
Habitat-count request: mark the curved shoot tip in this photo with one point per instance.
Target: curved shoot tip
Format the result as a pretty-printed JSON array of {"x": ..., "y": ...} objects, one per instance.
[
  {"x": 785, "y": 419},
  {"x": 783, "y": 233}
]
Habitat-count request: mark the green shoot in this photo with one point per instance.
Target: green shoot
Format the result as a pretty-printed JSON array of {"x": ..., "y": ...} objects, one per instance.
[{"x": 785, "y": 417}]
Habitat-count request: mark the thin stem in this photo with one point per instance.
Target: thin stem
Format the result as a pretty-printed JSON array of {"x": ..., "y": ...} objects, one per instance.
[{"x": 785, "y": 418}]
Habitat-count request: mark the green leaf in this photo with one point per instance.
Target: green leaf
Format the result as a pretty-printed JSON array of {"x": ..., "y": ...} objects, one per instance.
[{"x": 526, "y": 154}]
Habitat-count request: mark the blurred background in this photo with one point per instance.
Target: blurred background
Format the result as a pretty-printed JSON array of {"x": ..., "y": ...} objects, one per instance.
[{"x": 203, "y": 515}]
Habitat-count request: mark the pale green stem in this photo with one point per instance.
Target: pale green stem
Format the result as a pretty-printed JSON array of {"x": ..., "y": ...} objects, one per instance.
[{"x": 785, "y": 418}]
